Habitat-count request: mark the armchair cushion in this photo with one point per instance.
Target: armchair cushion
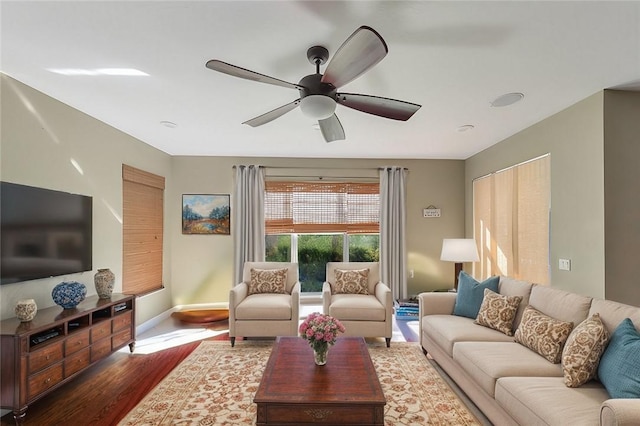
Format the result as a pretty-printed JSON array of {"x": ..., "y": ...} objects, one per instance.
[
  {"x": 356, "y": 307},
  {"x": 268, "y": 281},
  {"x": 265, "y": 307},
  {"x": 354, "y": 281}
]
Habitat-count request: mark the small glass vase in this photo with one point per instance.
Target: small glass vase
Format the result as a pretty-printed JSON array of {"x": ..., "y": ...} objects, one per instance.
[{"x": 320, "y": 354}]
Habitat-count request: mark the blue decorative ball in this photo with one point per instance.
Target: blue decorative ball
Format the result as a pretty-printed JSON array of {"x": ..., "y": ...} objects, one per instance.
[{"x": 69, "y": 294}]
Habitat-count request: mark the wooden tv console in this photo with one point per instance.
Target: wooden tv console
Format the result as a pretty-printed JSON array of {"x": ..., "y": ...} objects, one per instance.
[{"x": 41, "y": 355}]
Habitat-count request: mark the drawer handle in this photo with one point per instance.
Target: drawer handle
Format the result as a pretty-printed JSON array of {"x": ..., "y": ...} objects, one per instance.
[
  {"x": 79, "y": 342},
  {"x": 48, "y": 357},
  {"x": 48, "y": 380}
]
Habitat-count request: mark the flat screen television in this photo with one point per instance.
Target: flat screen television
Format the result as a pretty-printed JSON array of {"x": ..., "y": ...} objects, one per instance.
[{"x": 43, "y": 233}]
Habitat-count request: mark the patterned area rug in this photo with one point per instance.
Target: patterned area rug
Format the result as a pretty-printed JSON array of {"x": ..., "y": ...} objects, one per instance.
[{"x": 215, "y": 385}]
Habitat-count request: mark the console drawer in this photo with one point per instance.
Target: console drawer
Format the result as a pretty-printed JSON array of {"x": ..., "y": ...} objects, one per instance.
[
  {"x": 76, "y": 341},
  {"x": 76, "y": 362},
  {"x": 100, "y": 330},
  {"x": 100, "y": 349},
  {"x": 44, "y": 357},
  {"x": 121, "y": 321},
  {"x": 121, "y": 338},
  {"x": 43, "y": 380}
]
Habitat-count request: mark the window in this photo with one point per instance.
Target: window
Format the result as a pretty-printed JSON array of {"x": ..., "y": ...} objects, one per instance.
[
  {"x": 511, "y": 221},
  {"x": 142, "y": 230},
  {"x": 313, "y": 223}
]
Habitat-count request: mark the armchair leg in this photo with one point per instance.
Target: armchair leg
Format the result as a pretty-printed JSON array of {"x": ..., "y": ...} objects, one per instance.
[
  {"x": 233, "y": 341},
  {"x": 388, "y": 340}
]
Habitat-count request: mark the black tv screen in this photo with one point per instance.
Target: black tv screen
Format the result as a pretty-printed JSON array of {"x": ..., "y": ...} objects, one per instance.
[{"x": 44, "y": 233}]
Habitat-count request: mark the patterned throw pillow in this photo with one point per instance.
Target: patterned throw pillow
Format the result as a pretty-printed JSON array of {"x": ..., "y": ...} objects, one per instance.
[
  {"x": 354, "y": 281},
  {"x": 581, "y": 354},
  {"x": 268, "y": 281},
  {"x": 498, "y": 311},
  {"x": 543, "y": 334}
]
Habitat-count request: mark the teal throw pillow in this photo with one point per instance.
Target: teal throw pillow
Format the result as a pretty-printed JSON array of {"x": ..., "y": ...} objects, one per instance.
[
  {"x": 619, "y": 369},
  {"x": 471, "y": 293}
]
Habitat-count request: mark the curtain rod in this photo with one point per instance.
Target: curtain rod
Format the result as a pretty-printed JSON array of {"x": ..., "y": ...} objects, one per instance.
[{"x": 322, "y": 168}]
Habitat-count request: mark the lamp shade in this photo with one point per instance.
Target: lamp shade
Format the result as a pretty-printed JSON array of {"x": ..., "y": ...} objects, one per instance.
[
  {"x": 318, "y": 107},
  {"x": 459, "y": 250}
]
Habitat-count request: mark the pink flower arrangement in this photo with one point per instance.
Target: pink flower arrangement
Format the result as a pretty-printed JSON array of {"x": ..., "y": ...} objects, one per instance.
[{"x": 320, "y": 330}]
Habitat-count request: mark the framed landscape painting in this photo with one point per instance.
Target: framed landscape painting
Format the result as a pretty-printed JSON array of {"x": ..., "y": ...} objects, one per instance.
[{"x": 206, "y": 214}]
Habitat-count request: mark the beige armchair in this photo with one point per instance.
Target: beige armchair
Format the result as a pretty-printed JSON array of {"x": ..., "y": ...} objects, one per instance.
[
  {"x": 364, "y": 315},
  {"x": 256, "y": 310}
]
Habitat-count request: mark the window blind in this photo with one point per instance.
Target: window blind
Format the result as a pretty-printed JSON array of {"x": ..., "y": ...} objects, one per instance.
[
  {"x": 142, "y": 230},
  {"x": 303, "y": 207},
  {"x": 511, "y": 222}
]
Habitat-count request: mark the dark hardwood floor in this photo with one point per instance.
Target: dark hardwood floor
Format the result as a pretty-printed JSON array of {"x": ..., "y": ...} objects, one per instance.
[{"x": 106, "y": 392}]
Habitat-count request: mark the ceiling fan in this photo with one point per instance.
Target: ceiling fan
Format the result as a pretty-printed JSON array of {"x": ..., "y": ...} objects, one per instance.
[{"x": 319, "y": 92}]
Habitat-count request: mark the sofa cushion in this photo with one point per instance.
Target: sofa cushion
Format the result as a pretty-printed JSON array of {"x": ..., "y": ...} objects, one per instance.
[
  {"x": 268, "y": 281},
  {"x": 445, "y": 330},
  {"x": 353, "y": 281},
  {"x": 612, "y": 313},
  {"x": 512, "y": 287},
  {"x": 543, "y": 334},
  {"x": 471, "y": 293},
  {"x": 498, "y": 311},
  {"x": 547, "y": 401},
  {"x": 486, "y": 362},
  {"x": 356, "y": 307},
  {"x": 560, "y": 304},
  {"x": 267, "y": 306},
  {"x": 619, "y": 369},
  {"x": 581, "y": 353}
]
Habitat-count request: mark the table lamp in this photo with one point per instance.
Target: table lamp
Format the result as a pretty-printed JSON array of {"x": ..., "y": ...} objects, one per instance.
[{"x": 459, "y": 250}]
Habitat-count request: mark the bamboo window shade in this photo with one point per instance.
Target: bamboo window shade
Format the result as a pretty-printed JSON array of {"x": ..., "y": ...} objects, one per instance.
[
  {"x": 142, "y": 230},
  {"x": 316, "y": 207}
]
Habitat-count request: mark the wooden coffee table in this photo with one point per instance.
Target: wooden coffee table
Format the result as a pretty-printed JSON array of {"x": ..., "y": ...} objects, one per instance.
[{"x": 295, "y": 391}]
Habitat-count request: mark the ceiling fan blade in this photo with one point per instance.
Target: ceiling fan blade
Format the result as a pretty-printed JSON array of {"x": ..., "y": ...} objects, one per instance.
[
  {"x": 272, "y": 115},
  {"x": 383, "y": 107},
  {"x": 331, "y": 129},
  {"x": 360, "y": 52},
  {"x": 235, "y": 71}
]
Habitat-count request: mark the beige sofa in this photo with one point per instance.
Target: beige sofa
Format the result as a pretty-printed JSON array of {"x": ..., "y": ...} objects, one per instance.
[{"x": 511, "y": 384}]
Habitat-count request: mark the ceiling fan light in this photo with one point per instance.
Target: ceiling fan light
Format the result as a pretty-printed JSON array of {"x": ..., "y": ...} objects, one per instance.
[{"x": 318, "y": 107}]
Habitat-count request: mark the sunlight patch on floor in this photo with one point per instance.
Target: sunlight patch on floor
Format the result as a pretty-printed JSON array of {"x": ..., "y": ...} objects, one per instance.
[{"x": 170, "y": 338}]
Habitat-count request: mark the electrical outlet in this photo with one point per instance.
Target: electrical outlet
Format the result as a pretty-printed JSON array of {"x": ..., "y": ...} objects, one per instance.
[
  {"x": 410, "y": 273},
  {"x": 564, "y": 264}
]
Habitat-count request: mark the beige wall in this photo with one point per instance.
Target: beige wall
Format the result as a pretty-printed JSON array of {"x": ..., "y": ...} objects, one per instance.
[
  {"x": 202, "y": 264},
  {"x": 622, "y": 195},
  {"x": 574, "y": 137},
  {"x": 40, "y": 136}
]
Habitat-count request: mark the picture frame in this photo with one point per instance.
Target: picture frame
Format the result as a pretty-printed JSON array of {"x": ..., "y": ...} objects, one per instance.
[{"x": 206, "y": 214}]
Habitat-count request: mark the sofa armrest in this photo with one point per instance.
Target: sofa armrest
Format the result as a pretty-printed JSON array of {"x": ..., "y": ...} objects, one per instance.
[
  {"x": 326, "y": 297},
  {"x": 620, "y": 412},
  {"x": 436, "y": 303}
]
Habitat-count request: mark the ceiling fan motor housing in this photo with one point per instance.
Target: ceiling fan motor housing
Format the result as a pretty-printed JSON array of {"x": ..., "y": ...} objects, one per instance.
[{"x": 311, "y": 85}]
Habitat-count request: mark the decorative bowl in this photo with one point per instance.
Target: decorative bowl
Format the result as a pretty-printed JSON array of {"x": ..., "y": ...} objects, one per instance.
[{"x": 68, "y": 294}]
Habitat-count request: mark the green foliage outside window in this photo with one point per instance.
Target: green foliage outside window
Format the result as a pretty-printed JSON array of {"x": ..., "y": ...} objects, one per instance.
[{"x": 315, "y": 250}]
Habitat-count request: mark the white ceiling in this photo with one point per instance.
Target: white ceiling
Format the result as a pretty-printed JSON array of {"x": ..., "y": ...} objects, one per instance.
[{"x": 453, "y": 58}]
